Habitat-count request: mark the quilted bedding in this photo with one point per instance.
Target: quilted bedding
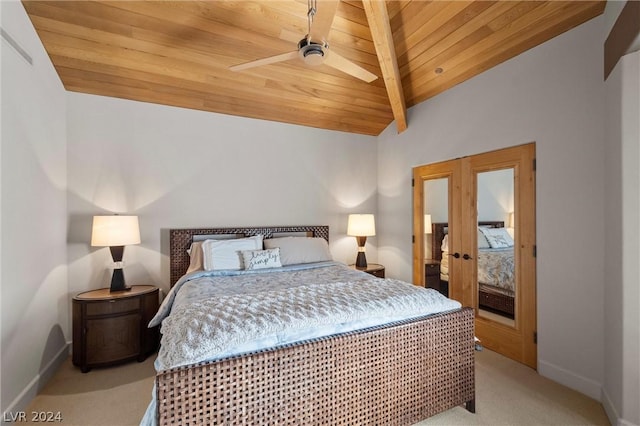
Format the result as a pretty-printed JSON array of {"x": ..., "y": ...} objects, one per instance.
[{"x": 209, "y": 316}]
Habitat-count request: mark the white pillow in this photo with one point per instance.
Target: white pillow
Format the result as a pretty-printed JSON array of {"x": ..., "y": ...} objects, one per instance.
[
  {"x": 225, "y": 254},
  {"x": 261, "y": 259},
  {"x": 482, "y": 240},
  {"x": 294, "y": 250},
  {"x": 497, "y": 237}
]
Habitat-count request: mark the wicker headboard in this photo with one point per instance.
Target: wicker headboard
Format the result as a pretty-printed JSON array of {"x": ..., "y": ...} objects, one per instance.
[
  {"x": 180, "y": 240},
  {"x": 439, "y": 230}
]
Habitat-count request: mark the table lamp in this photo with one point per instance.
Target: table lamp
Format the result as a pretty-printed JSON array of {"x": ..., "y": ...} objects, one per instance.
[
  {"x": 361, "y": 226},
  {"x": 115, "y": 232}
]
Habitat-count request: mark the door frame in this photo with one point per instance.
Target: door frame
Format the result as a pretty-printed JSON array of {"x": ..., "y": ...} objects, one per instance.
[{"x": 520, "y": 341}]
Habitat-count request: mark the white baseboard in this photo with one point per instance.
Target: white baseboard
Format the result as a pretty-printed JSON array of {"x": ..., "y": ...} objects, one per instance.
[
  {"x": 612, "y": 413},
  {"x": 31, "y": 390},
  {"x": 589, "y": 387},
  {"x": 609, "y": 408}
]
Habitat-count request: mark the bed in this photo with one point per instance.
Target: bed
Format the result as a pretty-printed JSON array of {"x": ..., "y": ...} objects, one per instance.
[
  {"x": 390, "y": 373},
  {"x": 496, "y": 268}
]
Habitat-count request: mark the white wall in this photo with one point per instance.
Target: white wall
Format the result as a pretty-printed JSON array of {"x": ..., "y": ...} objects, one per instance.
[
  {"x": 553, "y": 95},
  {"x": 181, "y": 168},
  {"x": 621, "y": 391},
  {"x": 35, "y": 301}
]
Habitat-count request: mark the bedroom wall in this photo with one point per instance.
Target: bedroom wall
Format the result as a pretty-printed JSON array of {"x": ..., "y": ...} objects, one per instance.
[
  {"x": 180, "y": 168},
  {"x": 553, "y": 95},
  {"x": 621, "y": 391},
  {"x": 34, "y": 297},
  {"x": 622, "y": 297}
]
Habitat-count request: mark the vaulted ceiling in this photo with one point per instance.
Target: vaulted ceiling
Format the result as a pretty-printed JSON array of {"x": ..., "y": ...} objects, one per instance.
[{"x": 179, "y": 52}]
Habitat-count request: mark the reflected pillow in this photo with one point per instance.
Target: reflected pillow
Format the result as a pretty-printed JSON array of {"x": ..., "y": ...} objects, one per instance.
[
  {"x": 497, "y": 237},
  {"x": 445, "y": 243},
  {"x": 482, "y": 240}
]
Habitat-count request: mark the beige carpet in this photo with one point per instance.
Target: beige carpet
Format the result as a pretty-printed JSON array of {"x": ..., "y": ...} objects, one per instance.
[{"x": 507, "y": 393}]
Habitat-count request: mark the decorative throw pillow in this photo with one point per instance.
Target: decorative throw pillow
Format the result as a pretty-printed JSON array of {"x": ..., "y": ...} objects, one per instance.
[
  {"x": 261, "y": 259},
  {"x": 497, "y": 237}
]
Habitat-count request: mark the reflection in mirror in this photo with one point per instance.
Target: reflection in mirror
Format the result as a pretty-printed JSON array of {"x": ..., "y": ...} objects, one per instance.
[
  {"x": 436, "y": 210},
  {"x": 495, "y": 256}
]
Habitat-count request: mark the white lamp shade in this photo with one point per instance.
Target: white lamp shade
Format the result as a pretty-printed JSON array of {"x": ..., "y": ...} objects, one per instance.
[
  {"x": 427, "y": 224},
  {"x": 109, "y": 231},
  {"x": 361, "y": 225}
]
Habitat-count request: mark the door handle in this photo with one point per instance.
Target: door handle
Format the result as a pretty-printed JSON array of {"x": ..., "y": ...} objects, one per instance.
[
  {"x": 466, "y": 257},
  {"x": 456, "y": 255}
]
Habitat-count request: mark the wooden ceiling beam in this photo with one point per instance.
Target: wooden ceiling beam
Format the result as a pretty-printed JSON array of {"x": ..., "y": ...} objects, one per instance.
[{"x": 378, "y": 18}]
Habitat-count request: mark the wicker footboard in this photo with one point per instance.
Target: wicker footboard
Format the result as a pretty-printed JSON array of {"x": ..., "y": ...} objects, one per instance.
[{"x": 393, "y": 375}]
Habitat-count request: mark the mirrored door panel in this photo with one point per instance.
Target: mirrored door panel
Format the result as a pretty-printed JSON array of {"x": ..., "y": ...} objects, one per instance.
[
  {"x": 435, "y": 238},
  {"x": 434, "y": 211},
  {"x": 495, "y": 254}
]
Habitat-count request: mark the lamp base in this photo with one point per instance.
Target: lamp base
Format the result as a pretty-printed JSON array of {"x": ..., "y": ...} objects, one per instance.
[
  {"x": 361, "y": 261},
  {"x": 117, "y": 281}
]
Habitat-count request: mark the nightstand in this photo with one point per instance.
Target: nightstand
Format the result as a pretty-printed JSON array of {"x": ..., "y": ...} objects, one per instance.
[
  {"x": 109, "y": 328},
  {"x": 432, "y": 277},
  {"x": 372, "y": 268}
]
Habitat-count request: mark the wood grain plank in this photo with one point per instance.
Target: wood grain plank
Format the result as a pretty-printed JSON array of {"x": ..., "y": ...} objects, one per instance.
[
  {"x": 553, "y": 22},
  {"x": 466, "y": 35}
]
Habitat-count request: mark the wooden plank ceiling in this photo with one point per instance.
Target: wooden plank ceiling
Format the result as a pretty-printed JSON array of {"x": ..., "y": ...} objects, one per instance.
[{"x": 178, "y": 53}]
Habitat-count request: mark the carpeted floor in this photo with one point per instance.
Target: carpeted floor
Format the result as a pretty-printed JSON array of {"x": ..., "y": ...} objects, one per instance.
[{"x": 507, "y": 393}]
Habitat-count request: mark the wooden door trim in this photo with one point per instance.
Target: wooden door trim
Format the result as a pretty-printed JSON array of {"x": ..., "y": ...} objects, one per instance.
[{"x": 522, "y": 159}]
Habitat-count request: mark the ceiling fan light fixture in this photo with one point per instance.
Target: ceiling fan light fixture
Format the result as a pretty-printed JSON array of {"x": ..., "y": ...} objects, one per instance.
[{"x": 311, "y": 53}]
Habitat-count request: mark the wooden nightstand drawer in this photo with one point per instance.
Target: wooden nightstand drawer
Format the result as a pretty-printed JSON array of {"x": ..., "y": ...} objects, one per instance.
[{"x": 113, "y": 306}]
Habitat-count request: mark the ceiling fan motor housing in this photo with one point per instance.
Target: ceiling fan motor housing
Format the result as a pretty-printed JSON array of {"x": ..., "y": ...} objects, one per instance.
[{"x": 311, "y": 52}]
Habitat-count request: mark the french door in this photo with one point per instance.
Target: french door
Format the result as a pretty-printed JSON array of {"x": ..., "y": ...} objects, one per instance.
[{"x": 459, "y": 197}]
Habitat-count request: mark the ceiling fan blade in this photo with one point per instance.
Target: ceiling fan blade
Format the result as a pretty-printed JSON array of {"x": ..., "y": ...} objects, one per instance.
[
  {"x": 265, "y": 61},
  {"x": 343, "y": 64},
  {"x": 323, "y": 19}
]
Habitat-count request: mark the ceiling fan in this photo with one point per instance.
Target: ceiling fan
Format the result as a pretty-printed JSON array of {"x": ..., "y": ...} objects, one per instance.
[{"x": 313, "y": 49}]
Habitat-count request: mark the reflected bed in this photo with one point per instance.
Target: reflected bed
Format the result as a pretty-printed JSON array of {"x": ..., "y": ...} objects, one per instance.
[{"x": 496, "y": 269}]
